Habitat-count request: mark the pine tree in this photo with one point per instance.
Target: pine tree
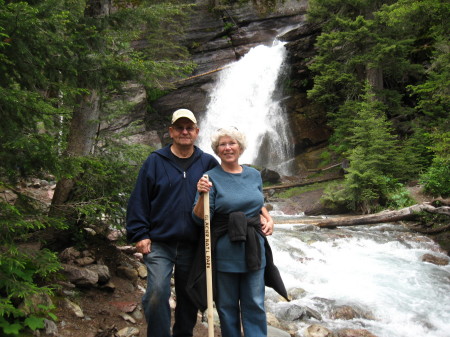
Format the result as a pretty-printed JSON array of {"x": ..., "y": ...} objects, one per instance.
[{"x": 59, "y": 62}]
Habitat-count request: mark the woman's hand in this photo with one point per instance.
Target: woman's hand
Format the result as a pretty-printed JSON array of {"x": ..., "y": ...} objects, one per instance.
[
  {"x": 266, "y": 222},
  {"x": 266, "y": 226},
  {"x": 203, "y": 185}
]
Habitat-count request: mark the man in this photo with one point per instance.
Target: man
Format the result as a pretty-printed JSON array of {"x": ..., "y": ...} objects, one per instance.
[{"x": 159, "y": 221}]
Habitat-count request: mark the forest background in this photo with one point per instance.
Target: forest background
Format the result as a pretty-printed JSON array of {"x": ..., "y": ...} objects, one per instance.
[{"x": 381, "y": 72}]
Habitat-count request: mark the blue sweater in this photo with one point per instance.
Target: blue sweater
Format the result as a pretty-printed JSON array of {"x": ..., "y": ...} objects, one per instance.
[
  {"x": 160, "y": 205},
  {"x": 239, "y": 192}
]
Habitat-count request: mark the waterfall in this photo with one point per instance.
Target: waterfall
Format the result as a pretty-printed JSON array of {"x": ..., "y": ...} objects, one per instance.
[
  {"x": 376, "y": 268},
  {"x": 247, "y": 95}
]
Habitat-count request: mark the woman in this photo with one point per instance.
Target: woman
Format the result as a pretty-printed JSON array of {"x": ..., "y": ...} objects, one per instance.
[{"x": 239, "y": 246}]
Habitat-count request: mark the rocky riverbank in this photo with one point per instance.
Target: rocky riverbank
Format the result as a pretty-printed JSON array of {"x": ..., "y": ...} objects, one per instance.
[{"x": 101, "y": 286}]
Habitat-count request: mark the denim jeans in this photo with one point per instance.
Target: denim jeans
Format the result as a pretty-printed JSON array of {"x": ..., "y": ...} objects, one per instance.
[
  {"x": 160, "y": 262},
  {"x": 241, "y": 296}
]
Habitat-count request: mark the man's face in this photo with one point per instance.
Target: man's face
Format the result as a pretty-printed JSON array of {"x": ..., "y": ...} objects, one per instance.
[{"x": 183, "y": 132}]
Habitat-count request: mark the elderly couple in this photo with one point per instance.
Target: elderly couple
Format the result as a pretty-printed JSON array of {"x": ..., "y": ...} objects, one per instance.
[{"x": 165, "y": 218}]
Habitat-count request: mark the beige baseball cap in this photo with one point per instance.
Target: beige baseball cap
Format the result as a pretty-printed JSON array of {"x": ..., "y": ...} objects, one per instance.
[{"x": 183, "y": 113}]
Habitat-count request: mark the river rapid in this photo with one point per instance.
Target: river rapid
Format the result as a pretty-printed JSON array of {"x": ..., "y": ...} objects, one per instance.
[{"x": 377, "y": 269}]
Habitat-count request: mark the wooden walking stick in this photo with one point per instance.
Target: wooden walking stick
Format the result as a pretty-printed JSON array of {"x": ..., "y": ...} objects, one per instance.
[{"x": 208, "y": 260}]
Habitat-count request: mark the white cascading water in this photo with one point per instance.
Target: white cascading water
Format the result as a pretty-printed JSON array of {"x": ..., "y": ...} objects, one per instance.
[
  {"x": 245, "y": 96},
  {"x": 377, "y": 268}
]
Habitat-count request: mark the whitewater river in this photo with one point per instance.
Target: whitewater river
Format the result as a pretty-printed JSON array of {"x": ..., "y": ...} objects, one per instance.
[{"x": 378, "y": 269}]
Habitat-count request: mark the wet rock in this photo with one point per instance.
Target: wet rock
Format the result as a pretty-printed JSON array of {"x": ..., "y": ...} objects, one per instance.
[
  {"x": 354, "y": 333},
  {"x": 440, "y": 261},
  {"x": 270, "y": 176},
  {"x": 347, "y": 312},
  {"x": 275, "y": 332},
  {"x": 294, "y": 313},
  {"x": 316, "y": 330},
  {"x": 311, "y": 313},
  {"x": 296, "y": 293},
  {"x": 272, "y": 320}
]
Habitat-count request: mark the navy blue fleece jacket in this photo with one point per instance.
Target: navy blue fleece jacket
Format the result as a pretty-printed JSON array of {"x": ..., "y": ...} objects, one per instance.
[{"x": 160, "y": 205}]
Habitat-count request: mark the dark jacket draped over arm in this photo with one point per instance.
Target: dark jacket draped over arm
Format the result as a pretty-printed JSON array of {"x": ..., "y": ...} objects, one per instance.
[{"x": 239, "y": 228}]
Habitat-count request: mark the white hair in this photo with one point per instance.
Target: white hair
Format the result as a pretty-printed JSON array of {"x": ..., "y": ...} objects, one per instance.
[{"x": 231, "y": 132}]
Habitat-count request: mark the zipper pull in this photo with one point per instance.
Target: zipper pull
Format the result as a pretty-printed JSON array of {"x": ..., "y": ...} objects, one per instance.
[{"x": 184, "y": 174}]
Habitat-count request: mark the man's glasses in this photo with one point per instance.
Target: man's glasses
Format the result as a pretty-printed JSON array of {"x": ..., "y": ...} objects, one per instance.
[{"x": 180, "y": 129}]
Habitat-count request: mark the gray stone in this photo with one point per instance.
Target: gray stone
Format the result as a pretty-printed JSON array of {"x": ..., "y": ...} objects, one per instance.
[
  {"x": 75, "y": 308},
  {"x": 128, "y": 332},
  {"x": 50, "y": 328},
  {"x": 275, "y": 332},
  {"x": 80, "y": 276},
  {"x": 128, "y": 273},
  {"x": 102, "y": 271}
]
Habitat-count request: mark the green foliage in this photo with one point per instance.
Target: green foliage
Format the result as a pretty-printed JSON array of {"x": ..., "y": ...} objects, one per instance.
[
  {"x": 51, "y": 52},
  {"x": 436, "y": 179},
  {"x": 434, "y": 94},
  {"x": 103, "y": 184},
  {"x": 402, "y": 49},
  {"x": 372, "y": 177},
  {"x": 21, "y": 269}
]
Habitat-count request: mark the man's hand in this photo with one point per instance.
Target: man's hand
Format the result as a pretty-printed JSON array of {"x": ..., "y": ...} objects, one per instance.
[{"x": 144, "y": 246}]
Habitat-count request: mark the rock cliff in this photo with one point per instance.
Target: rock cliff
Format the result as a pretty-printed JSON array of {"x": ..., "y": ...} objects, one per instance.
[{"x": 221, "y": 36}]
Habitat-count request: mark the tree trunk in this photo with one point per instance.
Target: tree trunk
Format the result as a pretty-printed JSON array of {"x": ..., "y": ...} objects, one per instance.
[
  {"x": 82, "y": 132},
  {"x": 84, "y": 124},
  {"x": 407, "y": 213}
]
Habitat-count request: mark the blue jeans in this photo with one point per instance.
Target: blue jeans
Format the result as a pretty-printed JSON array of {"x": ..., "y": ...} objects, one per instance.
[
  {"x": 241, "y": 296},
  {"x": 160, "y": 263}
]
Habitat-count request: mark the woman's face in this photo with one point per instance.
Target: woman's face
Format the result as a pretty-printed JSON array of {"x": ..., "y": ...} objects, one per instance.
[{"x": 228, "y": 150}]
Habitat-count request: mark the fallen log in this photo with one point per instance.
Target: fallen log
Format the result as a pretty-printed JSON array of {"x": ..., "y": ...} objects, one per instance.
[
  {"x": 407, "y": 213},
  {"x": 311, "y": 182}
]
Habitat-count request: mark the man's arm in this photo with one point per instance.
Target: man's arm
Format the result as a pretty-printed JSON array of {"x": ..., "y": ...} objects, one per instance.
[{"x": 138, "y": 210}]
